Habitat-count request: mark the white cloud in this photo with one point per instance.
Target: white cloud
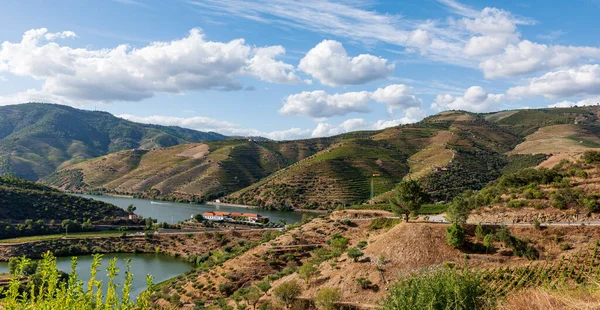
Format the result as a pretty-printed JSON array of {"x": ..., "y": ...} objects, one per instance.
[
  {"x": 494, "y": 29},
  {"x": 397, "y": 96},
  {"x": 124, "y": 73},
  {"x": 475, "y": 99},
  {"x": 411, "y": 115},
  {"x": 580, "y": 81},
  {"x": 528, "y": 57},
  {"x": 220, "y": 126},
  {"x": 353, "y": 124},
  {"x": 330, "y": 64},
  {"x": 320, "y": 104},
  {"x": 580, "y": 103}
]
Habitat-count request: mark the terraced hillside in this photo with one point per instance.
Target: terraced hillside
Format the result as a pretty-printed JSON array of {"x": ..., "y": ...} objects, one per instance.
[
  {"x": 448, "y": 153},
  {"x": 343, "y": 173},
  {"x": 21, "y": 200},
  {"x": 37, "y": 138},
  {"x": 195, "y": 171}
]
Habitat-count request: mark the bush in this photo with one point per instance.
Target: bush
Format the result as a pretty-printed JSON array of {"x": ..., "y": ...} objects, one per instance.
[
  {"x": 327, "y": 297},
  {"x": 591, "y": 157},
  {"x": 455, "y": 236},
  {"x": 354, "y": 253},
  {"x": 364, "y": 283},
  {"x": 226, "y": 288},
  {"x": 287, "y": 292},
  {"x": 441, "y": 289}
]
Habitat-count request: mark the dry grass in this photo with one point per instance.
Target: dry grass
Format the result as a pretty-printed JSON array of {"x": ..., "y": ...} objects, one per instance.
[
  {"x": 551, "y": 140},
  {"x": 539, "y": 299}
]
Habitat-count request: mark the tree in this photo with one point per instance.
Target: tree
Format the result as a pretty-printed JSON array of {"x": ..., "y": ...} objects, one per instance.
[
  {"x": 308, "y": 271},
  {"x": 287, "y": 292},
  {"x": 354, "y": 253},
  {"x": 131, "y": 208},
  {"x": 327, "y": 297},
  {"x": 264, "y": 286},
  {"x": 488, "y": 242},
  {"x": 458, "y": 211},
  {"x": 409, "y": 197},
  {"x": 455, "y": 236},
  {"x": 252, "y": 295}
]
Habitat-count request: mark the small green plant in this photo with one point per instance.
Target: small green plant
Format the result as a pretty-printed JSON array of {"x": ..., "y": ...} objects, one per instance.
[
  {"x": 455, "y": 236},
  {"x": 364, "y": 283}
]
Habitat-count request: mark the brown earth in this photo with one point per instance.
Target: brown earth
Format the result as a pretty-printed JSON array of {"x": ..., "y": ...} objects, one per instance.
[{"x": 405, "y": 248}]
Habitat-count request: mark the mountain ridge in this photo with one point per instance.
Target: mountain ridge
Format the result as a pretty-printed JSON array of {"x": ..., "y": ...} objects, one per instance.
[{"x": 38, "y": 138}]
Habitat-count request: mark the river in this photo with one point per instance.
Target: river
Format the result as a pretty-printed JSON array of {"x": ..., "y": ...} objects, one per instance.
[
  {"x": 165, "y": 211},
  {"x": 161, "y": 267}
]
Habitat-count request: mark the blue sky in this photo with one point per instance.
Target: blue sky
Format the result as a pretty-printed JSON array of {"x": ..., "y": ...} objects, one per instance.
[{"x": 289, "y": 69}]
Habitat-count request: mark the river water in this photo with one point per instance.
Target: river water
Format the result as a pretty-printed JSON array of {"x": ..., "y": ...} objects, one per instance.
[
  {"x": 165, "y": 211},
  {"x": 161, "y": 267}
]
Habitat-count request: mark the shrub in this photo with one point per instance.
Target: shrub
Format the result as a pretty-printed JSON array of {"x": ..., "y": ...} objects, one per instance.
[
  {"x": 226, "y": 288},
  {"x": 441, "y": 289},
  {"x": 455, "y": 236},
  {"x": 327, "y": 297},
  {"x": 479, "y": 233},
  {"x": 287, "y": 292},
  {"x": 364, "y": 283},
  {"x": 354, "y": 253},
  {"x": 591, "y": 157}
]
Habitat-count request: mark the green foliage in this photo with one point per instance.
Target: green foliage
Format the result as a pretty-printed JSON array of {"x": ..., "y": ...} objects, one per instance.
[
  {"x": 521, "y": 161},
  {"x": 380, "y": 223},
  {"x": 455, "y": 236},
  {"x": 327, "y": 297},
  {"x": 479, "y": 232},
  {"x": 287, "y": 292},
  {"x": 364, "y": 283},
  {"x": 49, "y": 291},
  {"x": 308, "y": 271},
  {"x": 440, "y": 289},
  {"x": 458, "y": 211},
  {"x": 23, "y": 199},
  {"x": 355, "y": 254},
  {"x": 408, "y": 197},
  {"x": 591, "y": 157},
  {"x": 339, "y": 242}
]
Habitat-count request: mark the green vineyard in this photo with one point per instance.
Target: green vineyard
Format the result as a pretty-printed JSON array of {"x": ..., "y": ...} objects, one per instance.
[{"x": 580, "y": 268}]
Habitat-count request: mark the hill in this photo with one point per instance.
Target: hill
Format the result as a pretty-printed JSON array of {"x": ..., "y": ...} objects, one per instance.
[
  {"x": 448, "y": 153},
  {"x": 37, "y": 138},
  {"x": 316, "y": 255},
  {"x": 21, "y": 200},
  {"x": 195, "y": 171}
]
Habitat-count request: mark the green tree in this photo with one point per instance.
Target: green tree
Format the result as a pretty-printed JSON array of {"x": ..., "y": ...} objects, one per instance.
[
  {"x": 354, "y": 253},
  {"x": 327, "y": 297},
  {"x": 287, "y": 292},
  {"x": 479, "y": 233},
  {"x": 488, "y": 242},
  {"x": 458, "y": 211},
  {"x": 308, "y": 271},
  {"x": 408, "y": 197},
  {"x": 131, "y": 208},
  {"x": 455, "y": 236},
  {"x": 264, "y": 286},
  {"x": 251, "y": 296}
]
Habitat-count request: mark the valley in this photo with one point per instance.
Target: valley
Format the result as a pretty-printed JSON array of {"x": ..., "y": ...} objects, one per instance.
[{"x": 508, "y": 200}]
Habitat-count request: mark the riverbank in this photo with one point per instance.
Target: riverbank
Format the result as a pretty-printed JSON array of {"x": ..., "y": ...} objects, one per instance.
[
  {"x": 184, "y": 245},
  {"x": 213, "y": 203}
]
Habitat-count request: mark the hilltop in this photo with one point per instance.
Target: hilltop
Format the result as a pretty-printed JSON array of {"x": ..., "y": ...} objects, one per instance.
[
  {"x": 38, "y": 138},
  {"x": 21, "y": 199}
]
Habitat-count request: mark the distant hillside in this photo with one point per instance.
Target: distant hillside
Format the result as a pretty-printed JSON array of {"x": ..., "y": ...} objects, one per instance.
[
  {"x": 448, "y": 153},
  {"x": 37, "y": 138},
  {"x": 21, "y": 200},
  {"x": 196, "y": 171}
]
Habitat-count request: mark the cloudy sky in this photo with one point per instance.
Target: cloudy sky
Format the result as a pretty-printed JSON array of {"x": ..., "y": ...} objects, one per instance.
[{"x": 295, "y": 69}]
